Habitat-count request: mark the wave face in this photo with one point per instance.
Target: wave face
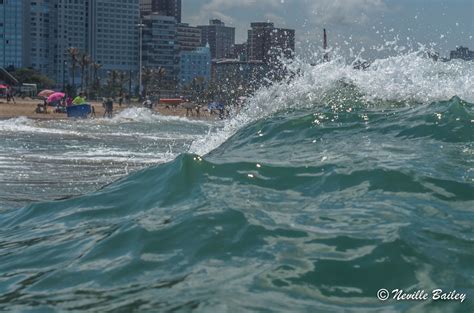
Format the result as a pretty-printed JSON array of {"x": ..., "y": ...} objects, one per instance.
[
  {"x": 318, "y": 194},
  {"x": 45, "y": 160}
]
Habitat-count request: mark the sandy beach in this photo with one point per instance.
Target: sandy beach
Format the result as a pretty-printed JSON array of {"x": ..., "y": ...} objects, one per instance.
[{"x": 27, "y": 108}]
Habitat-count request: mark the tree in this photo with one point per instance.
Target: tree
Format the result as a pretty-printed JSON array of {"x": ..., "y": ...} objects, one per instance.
[
  {"x": 31, "y": 76},
  {"x": 197, "y": 87},
  {"x": 160, "y": 74},
  {"x": 152, "y": 80},
  {"x": 112, "y": 83},
  {"x": 96, "y": 80},
  {"x": 73, "y": 53},
  {"x": 84, "y": 64},
  {"x": 122, "y": 79}
]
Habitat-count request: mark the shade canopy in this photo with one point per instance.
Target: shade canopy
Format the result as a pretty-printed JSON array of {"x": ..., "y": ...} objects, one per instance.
[
  {"x": 55, "y": 97},
  {"x": 46, "y": 93}
]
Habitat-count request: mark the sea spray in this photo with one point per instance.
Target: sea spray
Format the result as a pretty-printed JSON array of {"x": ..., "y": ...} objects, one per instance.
[{"x": 409, "y": 79}]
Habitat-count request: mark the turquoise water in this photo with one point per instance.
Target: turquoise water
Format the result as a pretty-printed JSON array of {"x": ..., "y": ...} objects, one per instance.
[{"x": 312, "y": 199}]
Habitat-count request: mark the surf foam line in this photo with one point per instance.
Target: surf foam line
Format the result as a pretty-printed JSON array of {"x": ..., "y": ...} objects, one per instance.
[{"x": 410, "y": 78}]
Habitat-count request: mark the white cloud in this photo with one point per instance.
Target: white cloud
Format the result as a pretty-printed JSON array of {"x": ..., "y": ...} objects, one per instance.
[
  {"x": 344, "y": 11},
  {"x": 229, "y": 4},
  {"x": 316, "y": 11}
]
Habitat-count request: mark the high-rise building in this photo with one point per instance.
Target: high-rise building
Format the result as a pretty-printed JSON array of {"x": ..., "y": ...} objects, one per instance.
[
  {"x": 189, "y": 37},
  {"x": 40, "y": 35},
  {"x": 163, "y": 7},
  {"x": 194, "y": 64},
  {"x": 220, "y": 38},
  {"x": 145, "y": 7},
  {"x": 160, "y": 46},
  {"x": 267, "y": 43},
  {"x": 68, "y": 28},
  {"x": 113, "y": 34},
  {"x": 168, "y": 8},
  {"x": 14, "y": 33},
  {"x": 105, "y": 30},
  {"x": 240, "y": 52}
]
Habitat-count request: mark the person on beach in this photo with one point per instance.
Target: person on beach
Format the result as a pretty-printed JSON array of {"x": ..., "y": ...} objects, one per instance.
[
  {"x": 148, "y": 104},
  {"x": 79, "y": 99},
  {"x": 68, "y": 101},
  {"x": 109, "y": 108},
  {"x": 10, "y": 95}
]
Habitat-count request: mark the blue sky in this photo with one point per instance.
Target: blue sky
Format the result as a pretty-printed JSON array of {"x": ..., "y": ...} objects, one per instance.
[{"x": 351, "y": 23}]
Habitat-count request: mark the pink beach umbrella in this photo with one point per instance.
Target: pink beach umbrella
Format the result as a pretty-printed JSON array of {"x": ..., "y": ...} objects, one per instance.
[
  {"x": 55, "y": 97},
  {"x": 46, "y": 93}
]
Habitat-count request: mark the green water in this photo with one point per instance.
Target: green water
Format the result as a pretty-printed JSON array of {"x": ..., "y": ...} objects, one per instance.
[{"x": 309, "y": 209}]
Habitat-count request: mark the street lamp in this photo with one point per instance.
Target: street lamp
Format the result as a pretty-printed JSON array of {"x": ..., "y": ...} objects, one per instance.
[{"x": 140, "y": 26}]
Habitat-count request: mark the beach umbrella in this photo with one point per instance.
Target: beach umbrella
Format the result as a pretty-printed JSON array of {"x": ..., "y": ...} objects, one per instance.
[
  {"x": 55, "y": 97},
  {"x": 46, "y": 93}
]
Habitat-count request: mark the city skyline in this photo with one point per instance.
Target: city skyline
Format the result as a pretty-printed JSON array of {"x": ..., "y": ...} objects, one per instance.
[
  {"x": 353, "y": 24},
  {"x": 92, "y": 29}
]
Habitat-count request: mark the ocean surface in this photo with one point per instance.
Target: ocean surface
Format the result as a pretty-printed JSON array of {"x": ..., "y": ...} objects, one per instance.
[{"x": 323, "y": 190}]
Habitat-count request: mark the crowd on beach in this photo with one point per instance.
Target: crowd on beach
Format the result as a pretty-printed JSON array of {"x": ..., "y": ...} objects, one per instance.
[{"x": 60, "y": 102}]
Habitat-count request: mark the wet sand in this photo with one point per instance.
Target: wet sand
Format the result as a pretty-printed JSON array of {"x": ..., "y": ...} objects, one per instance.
[{"x": 27, "y": 108}]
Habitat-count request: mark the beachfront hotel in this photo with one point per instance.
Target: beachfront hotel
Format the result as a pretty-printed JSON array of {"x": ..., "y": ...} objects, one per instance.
[
  {"x": 40, "y": 28},
  {"x": 193, "y": 64},
  {"x": 220, "y": 38},
  {"x": 160, "y": 47},
  {"x": 266, "y": 42},
  {"x": 189, "y": 37},
  {"x": 113, "y": 34},
  {"x": 39, "y": 33},
  {"x": 163, "y": 7},
  {"x": 14, "y": 33}
]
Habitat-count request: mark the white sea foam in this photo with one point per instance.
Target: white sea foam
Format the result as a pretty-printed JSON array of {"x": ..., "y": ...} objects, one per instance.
[
  {"x": 406, "y": 78},
  {"x": 25, "y": 125},
  {"x": 146, "y": 116},
  {"x": 98, "y": 155}
]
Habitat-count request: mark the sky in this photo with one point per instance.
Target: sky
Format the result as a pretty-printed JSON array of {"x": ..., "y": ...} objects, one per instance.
[{"x": 354, "y": 26}]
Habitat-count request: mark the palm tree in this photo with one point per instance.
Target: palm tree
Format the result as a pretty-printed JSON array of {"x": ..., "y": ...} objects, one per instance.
[
  {"x": 152, "y": 80},
  {"x": 122, "y": 79},
  {"x": 112, "y": 82},
  {"x": 84, "y": 64},
  {"x": 197, "y": 87},
  {"x": 147, "y": 77},
  {"x": 96, "y": 67},
  {"x": 96, "y": 83},
  {"x": 160, "y": 73},
  {"x": 73, "y": 53}
]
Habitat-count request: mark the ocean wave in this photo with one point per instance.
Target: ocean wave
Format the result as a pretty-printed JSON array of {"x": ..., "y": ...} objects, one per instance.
[
  {"x": 145, "y": 115},
  {"x": 315, "y": 195},
  {"x": 406, "y": 80},
  {"x": 26, "y": 125}
]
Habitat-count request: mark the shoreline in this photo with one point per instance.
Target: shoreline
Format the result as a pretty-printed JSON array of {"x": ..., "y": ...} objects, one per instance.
[{"x": 26, "y": 108}]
